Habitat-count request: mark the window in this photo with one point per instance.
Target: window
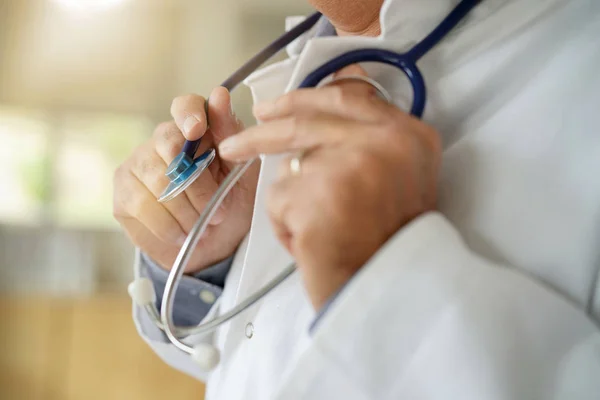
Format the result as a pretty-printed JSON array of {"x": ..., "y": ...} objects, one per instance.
[
  {"x": 23, "y": 166},
  {"x": 91, "y": 147},
  {"x": 58, "y": 169}
]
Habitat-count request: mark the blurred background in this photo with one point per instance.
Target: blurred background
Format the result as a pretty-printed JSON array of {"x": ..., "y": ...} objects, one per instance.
[{"x": 83, "y": 82}]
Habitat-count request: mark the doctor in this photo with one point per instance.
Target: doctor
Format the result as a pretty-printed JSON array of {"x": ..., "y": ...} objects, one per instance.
[{"x": 456, "y": 257}]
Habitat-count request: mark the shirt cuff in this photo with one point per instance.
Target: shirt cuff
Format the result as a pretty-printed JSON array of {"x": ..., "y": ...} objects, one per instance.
[{"x": 196, "y": 294}]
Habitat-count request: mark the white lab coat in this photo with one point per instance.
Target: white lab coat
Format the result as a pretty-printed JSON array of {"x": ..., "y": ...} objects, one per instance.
[{"x": 497, "y": 295}]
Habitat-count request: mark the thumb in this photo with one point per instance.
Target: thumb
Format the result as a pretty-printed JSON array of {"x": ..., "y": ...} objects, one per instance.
[
  {"x": 350, "y": 70},
  {"x": 354, "y": 86}
]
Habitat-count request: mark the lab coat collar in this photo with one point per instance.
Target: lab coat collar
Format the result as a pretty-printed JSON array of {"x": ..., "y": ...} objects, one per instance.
[{"x": 403, "y": 24}]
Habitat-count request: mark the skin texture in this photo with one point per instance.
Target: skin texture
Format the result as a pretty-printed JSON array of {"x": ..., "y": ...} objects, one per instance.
[
  {"x": 350, "y": 17},
  {"x": 369, "y": 169}
]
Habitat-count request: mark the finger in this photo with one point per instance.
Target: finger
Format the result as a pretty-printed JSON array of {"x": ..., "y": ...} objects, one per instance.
[
  {"x": 355, "y": 87},
  {"x": 139, "y": 203},
  {"x": 337, "y": 99},
  {"x": 225, "y": 124},
  {"x": 277, "y": 202},
  {"x": 351, "y": 70},
  {"x": 151, "y": 173},
  {"x": 190, "y": 116},
  {"x": 160, "y": 252},
  {"x": 141, "y": 237},
  {"x": 222, "y": 119},
  {"x": 168, "y": 142},
  {"x": 290, "y": 134},
  {"x": 348, "y": 98}
]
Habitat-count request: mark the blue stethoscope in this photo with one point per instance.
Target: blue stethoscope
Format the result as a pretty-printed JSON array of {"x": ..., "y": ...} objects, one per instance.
[{"x": 185, "y": 169}]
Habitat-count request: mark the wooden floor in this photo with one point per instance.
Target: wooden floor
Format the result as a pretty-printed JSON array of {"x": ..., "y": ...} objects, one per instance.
[{"x": 62, "y": 349}]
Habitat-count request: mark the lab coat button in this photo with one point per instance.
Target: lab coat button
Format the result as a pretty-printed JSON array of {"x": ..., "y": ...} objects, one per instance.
[
  {"x": 249, "y": 330},
  {"x": 207, "y": 296}
]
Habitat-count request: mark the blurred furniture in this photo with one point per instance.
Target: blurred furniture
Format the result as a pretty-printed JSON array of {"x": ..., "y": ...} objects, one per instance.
[{"x": 81, "y": 349}]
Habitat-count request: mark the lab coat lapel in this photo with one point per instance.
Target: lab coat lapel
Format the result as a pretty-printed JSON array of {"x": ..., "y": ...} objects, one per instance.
[{"x": 264, "y": 257}]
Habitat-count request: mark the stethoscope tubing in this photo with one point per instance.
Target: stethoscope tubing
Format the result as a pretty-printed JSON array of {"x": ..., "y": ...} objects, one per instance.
[{"x": 406, "y": 62}]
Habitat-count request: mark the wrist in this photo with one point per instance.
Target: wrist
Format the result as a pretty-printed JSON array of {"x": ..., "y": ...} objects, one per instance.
[{"x": 321, "y": 287}]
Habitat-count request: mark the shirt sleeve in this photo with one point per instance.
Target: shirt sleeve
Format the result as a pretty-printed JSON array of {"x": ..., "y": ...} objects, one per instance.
[{"x": 196, "y": 294}]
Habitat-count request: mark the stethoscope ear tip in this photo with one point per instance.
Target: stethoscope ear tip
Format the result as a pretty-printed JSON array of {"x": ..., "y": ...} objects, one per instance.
[
  {"x": 142, "y": 292},
  {"x": 207, "y": 357}
]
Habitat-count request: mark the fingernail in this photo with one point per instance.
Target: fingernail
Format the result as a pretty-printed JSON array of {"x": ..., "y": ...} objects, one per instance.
[
  {"x": 264, "y": 109},
  {"x": 189, "y": 125}
]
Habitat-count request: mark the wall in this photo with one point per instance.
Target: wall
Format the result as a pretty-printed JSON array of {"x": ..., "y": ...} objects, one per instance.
[{"x": 67, "y": 73}]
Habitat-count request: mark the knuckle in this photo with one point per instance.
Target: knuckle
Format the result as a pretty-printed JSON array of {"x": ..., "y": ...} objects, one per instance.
[
  {"x": 393, "y": 135},
  {"x": 147, "y": 165},
  {"x": 299, "y": 128},
  {"x": 135, "y": 238},
  {"x": 117, "y": 211},
  {"x": 287, "y": 101},
  {"x": 302, "y": 237},
  {"x": 168, "y": 139},
  {"x": 136, "y": 204},
  {"x": 121, "y": 191},
  {"x": 361, "y": 160},
  {"x": 169, "y": 149},
  {"x": 164, "y": 130},
  {"x": 117, "y": 176},
  {"x": 389, "y": 128}
]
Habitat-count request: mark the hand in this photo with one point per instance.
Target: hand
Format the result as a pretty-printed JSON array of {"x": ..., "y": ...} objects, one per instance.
[
  {"x": 159, "y": 229},
  {"x": 368, "y": 170}
]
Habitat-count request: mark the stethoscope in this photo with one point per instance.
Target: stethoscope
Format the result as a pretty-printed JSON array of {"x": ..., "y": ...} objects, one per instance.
[{"x": 184, "y": 170}]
